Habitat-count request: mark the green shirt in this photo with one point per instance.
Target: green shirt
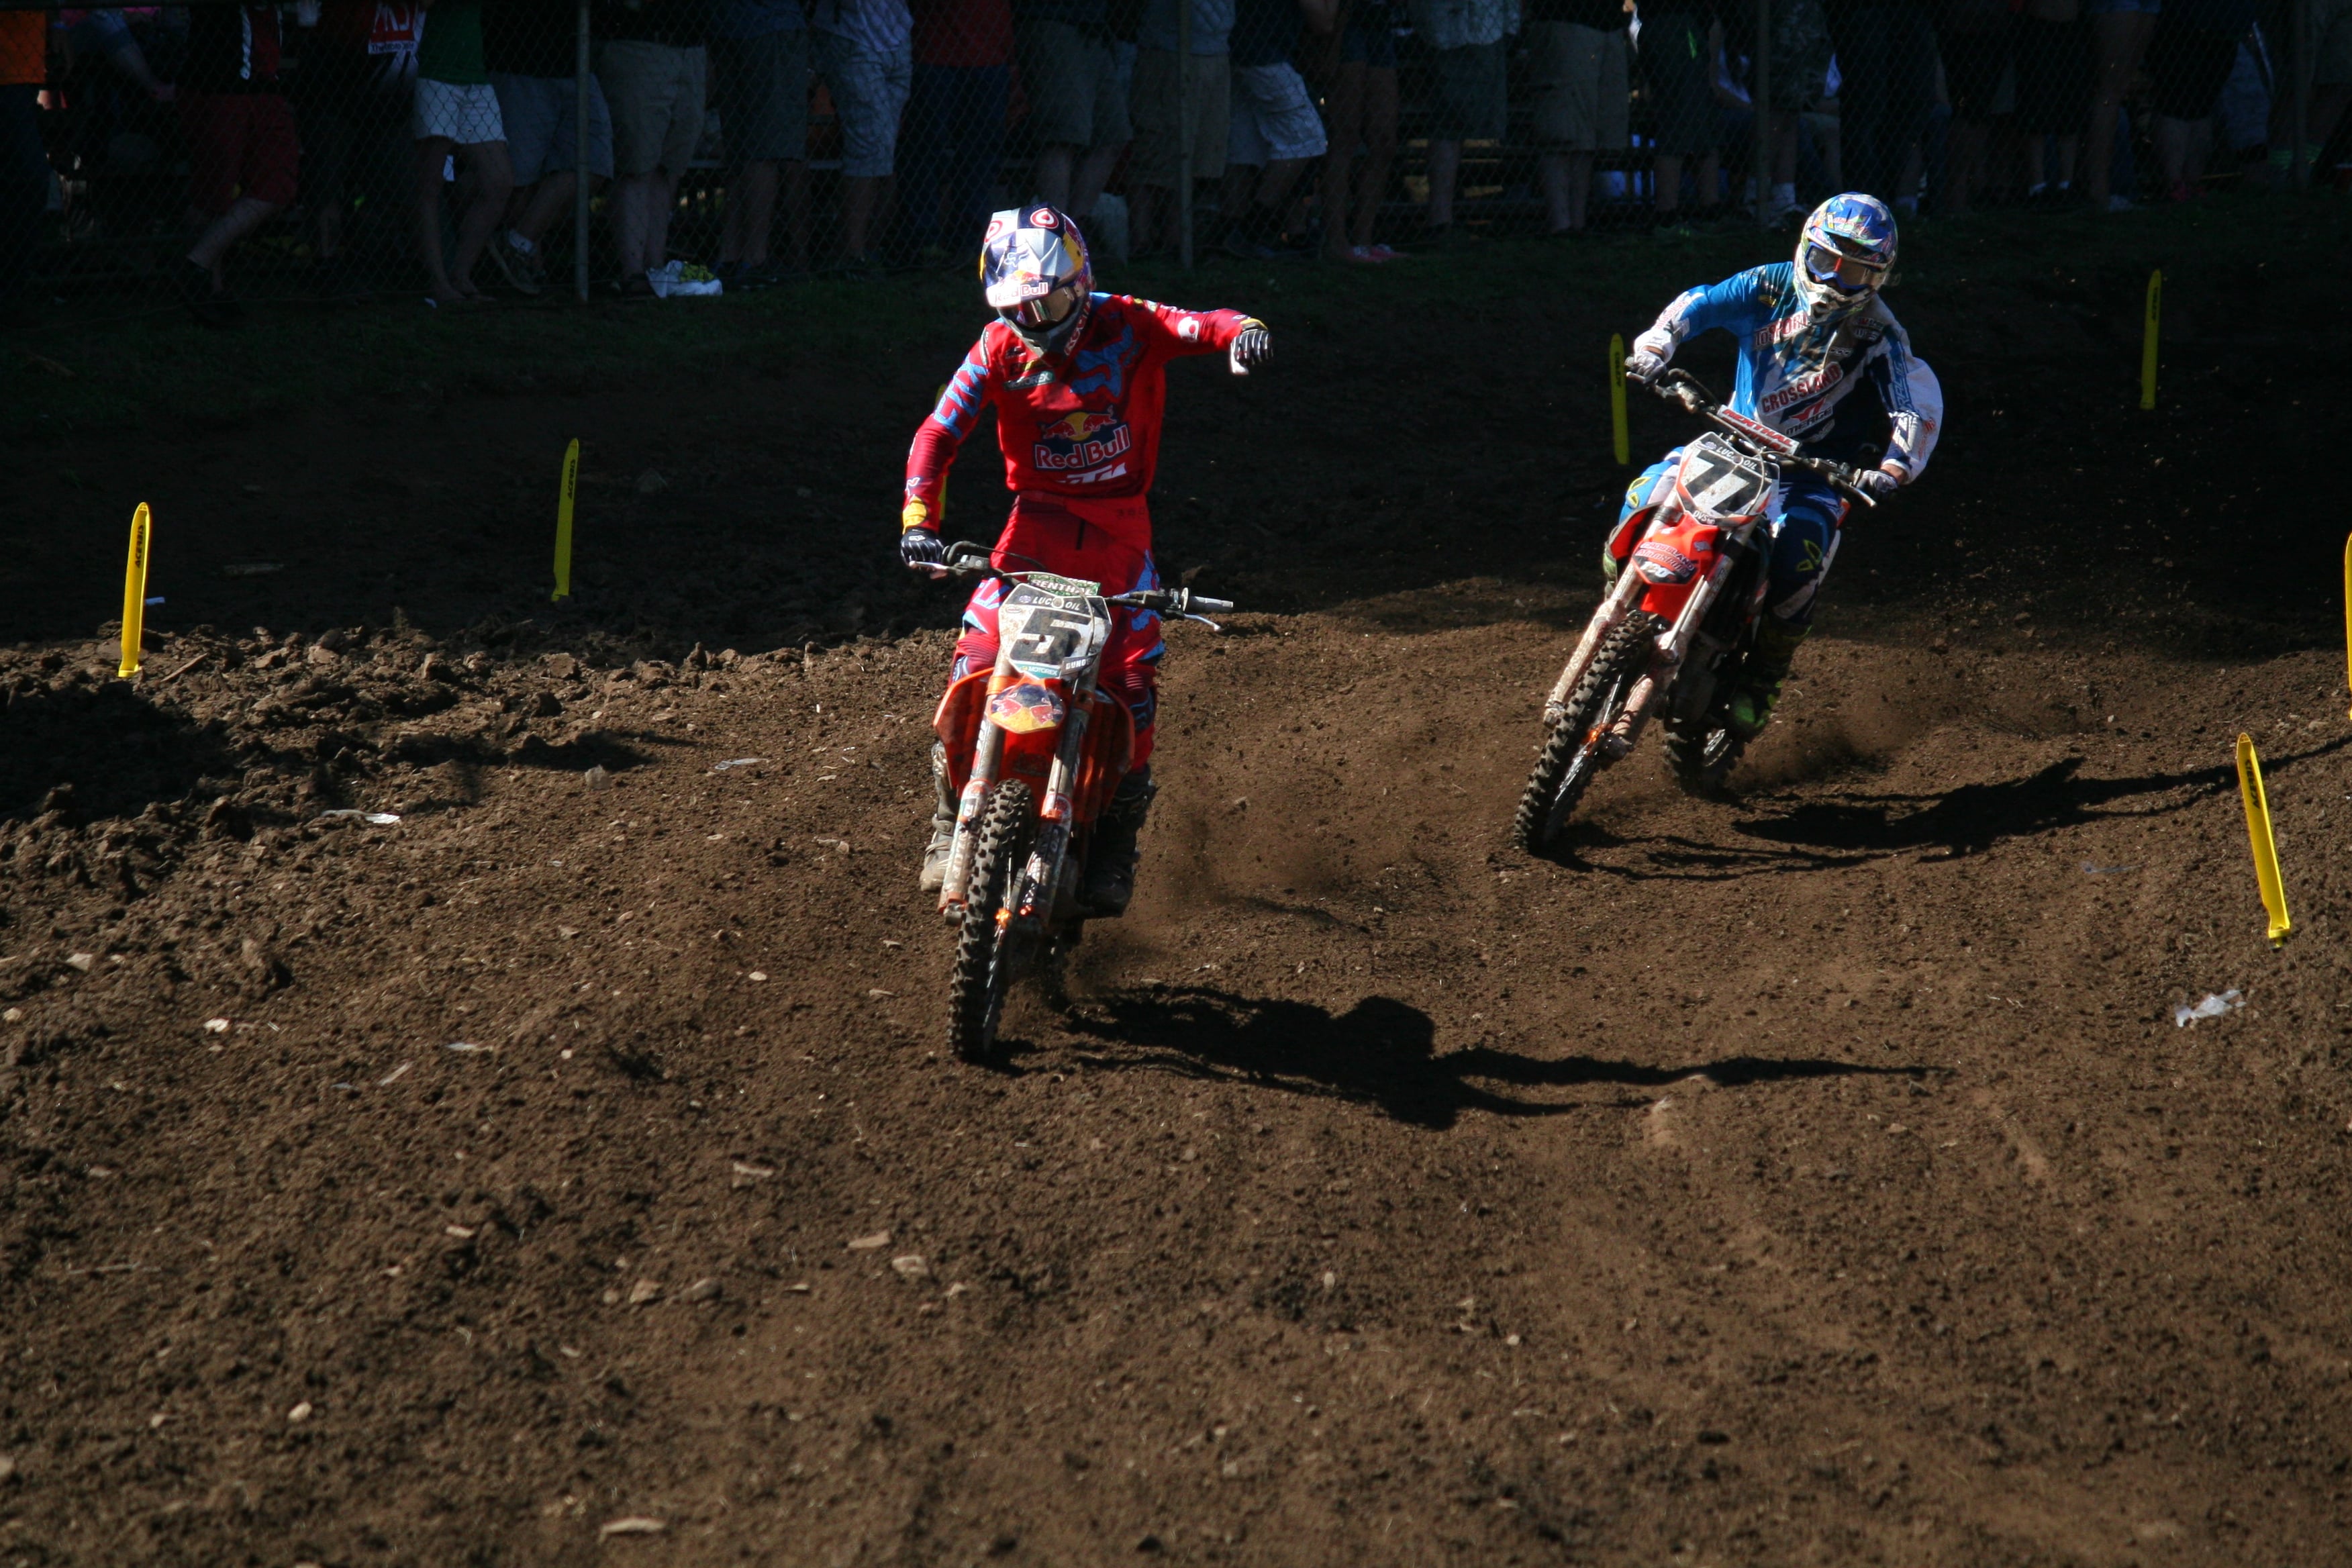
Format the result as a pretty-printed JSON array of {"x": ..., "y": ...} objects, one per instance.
[{"x": 451, "y": 49}]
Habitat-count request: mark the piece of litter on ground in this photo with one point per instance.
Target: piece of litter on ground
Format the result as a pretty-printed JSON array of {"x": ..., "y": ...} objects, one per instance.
[
  {"x": 2093, "y": 869},
  {"x": 632, "y": 1527},
  {"x": 736, "y": 762},
  {"x": 466, "y": 1046},
  {"x": 874, "y": 1243},
  {"x": 2228, "y": 1002},
  {"x": 394, "y": 1075},
  {"x": 156, "y": 600},
  {"x": 216, "y": 1026}
]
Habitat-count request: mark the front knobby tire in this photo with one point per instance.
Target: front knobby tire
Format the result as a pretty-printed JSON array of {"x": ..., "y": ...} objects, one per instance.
[
  {"x": 1572, "y": 752},
  {"x": 984, "y": 956}
]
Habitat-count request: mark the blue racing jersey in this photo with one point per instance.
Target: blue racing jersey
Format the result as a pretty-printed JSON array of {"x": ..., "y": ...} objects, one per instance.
[{"x": 1835, "y": 386}]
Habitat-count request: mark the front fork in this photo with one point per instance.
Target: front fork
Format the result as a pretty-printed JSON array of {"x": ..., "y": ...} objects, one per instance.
[
  {"x": 1665, "y": 662},
  {"x": 1036, "y": 886},
  {"x": 1041, "y": 881}
]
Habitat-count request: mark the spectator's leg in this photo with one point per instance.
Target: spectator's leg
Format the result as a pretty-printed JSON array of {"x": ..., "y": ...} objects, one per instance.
[
  {"x": 1444, "y": 168},
  {"x": 493, "y": 183},
  {"x": 859, "y": 196},
  {"x": 1553, "y": 172},
  {"x": 1343, "y": 102},
  {"x": 925, "y": 143},
  {"x": 661, "y": 203},
  {"x": 537, "y": 206},
  {"x": 220, "y": 236},
  {"x": 2120, "y": 38},
  {"x": 432, "y": 156},
  {"x": 1049, "y": 177},
  {"x": 1380, "y": 150},
  {"x": 751, "y": 210},
  {"x": 634, "y": 197},
  {"x": 1666, "y": 197},
  {"x": 1092, "y": 173}
]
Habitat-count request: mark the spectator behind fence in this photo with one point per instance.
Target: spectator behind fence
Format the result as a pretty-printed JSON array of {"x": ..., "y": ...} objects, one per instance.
[
  {"x": 1160, "y": 91},
  {"x": 1801, "y": 63},
  {"x": 2331, "y": 91},
  {"x": 532, "y": 50},
  {"x": 242, "y": 155},
  {"x": 1680, "y": 41},
  {"x": 1886, "y": 88},
  {"x": 953, "y": 144},
  {"x": 759, "y": 85},
  {"x": 864, "y": 50},
  {"x": 2196, "y": 45},
  {"x": 1077, "y": 104},
  {"x": 1273, "y": 132},
  {"x": 2120, "y": 30},
  {"x": 107, "y": 33},
  {"x": 654, "y": 70},
  {"x": 1581, "y": 82},
  {"x": 457, "y": 113},
  {"x": 23, "y": 161},
  {"x": 1470, "y": 100},
  {"x": 2053, "y": 95},
  {"x": 353, "y": 97},
  {"x": 1360, "y": 101},
  {"x": 1973, "y": 37}
]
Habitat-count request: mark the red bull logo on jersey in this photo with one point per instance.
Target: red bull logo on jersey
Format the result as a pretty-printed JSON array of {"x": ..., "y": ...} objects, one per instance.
[{"x": 1076, "y": 443}]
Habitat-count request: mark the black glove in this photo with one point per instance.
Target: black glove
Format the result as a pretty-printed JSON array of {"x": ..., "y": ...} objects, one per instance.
[
  {"x": 1254, "y": 348},
  {"x": 920, "y": 549}
]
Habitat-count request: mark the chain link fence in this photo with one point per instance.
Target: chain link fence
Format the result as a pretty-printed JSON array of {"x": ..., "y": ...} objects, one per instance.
[{"x": 347, "y": 147}]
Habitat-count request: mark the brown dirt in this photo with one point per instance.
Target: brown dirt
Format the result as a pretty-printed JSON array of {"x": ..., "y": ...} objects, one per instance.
[{"x": 1817, "y": 1178}]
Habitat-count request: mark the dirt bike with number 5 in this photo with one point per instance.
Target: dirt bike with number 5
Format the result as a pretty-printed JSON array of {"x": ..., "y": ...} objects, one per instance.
[
  {"x": 1035, "y": 752},
  {"x": 1667, "y": 641}
]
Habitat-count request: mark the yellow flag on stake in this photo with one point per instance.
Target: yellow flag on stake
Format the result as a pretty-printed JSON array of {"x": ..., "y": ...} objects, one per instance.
[
  {"x": 564, "y": 521},
  {"x": 2147, "y": 338},
  {"x": 1619, "y": 441},
  {"x": 134, "y": 594},
  {"x": 2258, "y": 833}
]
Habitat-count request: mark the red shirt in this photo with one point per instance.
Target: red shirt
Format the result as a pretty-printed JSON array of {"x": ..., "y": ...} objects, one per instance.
[
  {"x": 963, "y": 32},
  {"x": 1082, "y": 424},
  {"x": 24, "y": 49}
]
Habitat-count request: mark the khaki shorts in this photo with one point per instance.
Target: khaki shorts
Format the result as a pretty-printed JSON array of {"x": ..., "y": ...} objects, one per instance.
[
  {"x": 2331, "y": 42},
  {"x": 656, "y": 94},
  {"x": 1159, "y": 138},
  {"x": 1469, "y": 103},
  {"x": 1579, "y": 77},
  {"x": 1072, "y": 78}
]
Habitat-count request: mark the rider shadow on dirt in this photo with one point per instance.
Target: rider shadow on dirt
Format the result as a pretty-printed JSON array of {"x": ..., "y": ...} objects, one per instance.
[
  {"x": 1852, "y": 829},
  {"x": 1380, "y": 1052}
]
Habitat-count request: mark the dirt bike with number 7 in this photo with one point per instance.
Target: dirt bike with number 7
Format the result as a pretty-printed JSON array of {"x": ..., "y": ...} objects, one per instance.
[
  {"x": 1682, "y": 613},
  {"x": 1035, "y": 751}
]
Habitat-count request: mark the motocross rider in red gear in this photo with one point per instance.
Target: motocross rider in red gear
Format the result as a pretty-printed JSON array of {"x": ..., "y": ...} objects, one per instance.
[{"x": 1079, "y": 381}]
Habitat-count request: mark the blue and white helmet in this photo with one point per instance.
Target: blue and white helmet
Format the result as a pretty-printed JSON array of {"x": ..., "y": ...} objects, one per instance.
[
  {"x": 1035, "y": 274},
  {"x": 1844, "y": 254}
]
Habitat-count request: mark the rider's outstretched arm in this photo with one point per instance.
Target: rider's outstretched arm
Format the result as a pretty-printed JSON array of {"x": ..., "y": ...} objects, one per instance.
[
  {"x": 1914, "y": 400},
  {"x": 1739, "y": 303},
  {"x": 1181, "y": 332},
  {"x": 968, "y": 393}
]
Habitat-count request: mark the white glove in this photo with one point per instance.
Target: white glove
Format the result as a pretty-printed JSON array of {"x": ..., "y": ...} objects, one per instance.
[
  {"x": 1651, "y": 352},
  {"x": 1877, "y": 483}
]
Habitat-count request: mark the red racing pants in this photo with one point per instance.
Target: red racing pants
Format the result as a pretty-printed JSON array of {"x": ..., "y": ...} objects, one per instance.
[{"x": 1105, "y": 542}]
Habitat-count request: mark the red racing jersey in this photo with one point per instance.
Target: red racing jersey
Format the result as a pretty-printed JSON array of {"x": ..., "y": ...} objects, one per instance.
[{"x": 1081, "y": 424}]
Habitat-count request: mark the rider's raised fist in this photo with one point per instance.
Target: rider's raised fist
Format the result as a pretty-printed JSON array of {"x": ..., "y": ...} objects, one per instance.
[{"x": 1253, "y": 348}]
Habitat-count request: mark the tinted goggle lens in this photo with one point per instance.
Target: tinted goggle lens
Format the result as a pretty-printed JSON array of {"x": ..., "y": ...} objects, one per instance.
[
  {"x": 1042, "y": 312},
  {"x": 1840, "y": 272}
]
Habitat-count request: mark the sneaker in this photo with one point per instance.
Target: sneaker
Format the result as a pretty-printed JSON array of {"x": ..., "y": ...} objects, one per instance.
[
  {"x": 1382, "y": 253},
  {"x": 515, "y": 265}
]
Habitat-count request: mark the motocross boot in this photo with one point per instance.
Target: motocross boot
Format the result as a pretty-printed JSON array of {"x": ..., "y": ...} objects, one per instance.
[
  {"x": 1760, "y": 675},
  {"x": 943, "y": 823},
  {"x": 1110, "y": 863}
]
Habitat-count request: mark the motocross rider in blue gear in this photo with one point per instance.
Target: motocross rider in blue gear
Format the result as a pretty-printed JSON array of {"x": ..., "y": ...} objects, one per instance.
[{"x": 1823, "y": 360}]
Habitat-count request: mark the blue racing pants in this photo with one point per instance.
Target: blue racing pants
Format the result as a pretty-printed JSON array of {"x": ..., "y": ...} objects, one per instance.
[{"x": 1806, "y": 516}]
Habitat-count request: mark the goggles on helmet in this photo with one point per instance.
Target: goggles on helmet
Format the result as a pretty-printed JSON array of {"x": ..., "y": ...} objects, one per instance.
[
  {"x": 1847, "y": 274},
  {"x": 1043, "y": 311}
]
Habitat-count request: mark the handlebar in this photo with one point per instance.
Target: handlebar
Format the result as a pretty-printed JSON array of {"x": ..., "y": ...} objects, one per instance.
[
  {"x": 966, "y": 559},
  {"x": 1681, "y": 386}
]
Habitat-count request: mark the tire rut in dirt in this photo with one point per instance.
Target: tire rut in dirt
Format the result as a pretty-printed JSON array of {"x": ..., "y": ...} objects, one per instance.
[
  {"x": 983, "y": 957},
  {"x": 1558, "y": 782}
]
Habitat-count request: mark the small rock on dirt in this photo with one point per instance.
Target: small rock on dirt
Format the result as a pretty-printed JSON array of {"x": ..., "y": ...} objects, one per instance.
[
  {"x": 700, "y": 1291},
  {"x": 597, "y": 777},
  {"x": 910, "y": 1267},
  {"x": 651, "y": 483},
  {"x": 635, "y": 1526},
  {"x": 322, "y": 656},
  {"x": 874, "y": 1243},
  {"x": 645, "y": 1290},
  {"x": 85, "y": 961},
  {"x": 301, "y": 1412},
  {"x": 562, "y": 666}
]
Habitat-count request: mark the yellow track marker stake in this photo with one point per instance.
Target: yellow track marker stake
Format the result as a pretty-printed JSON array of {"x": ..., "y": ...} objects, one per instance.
[
  {"x": 2258, "y": 833},
  {"x": 134, "y": 594},
  {"x": 1623, "y": 444},
  {"x": 2147, "y": 338},
  {"x": 564, "y": 521}
]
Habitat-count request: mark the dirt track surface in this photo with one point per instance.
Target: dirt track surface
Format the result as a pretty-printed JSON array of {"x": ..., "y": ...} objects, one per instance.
[{"x": 1815, "y": 1178}]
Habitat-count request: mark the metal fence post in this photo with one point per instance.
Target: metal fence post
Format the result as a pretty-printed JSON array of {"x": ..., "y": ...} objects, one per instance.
[
  {"x": 1759, "y": 82},
  {"x": 1184, "y": 132},
  {"x": 580, "y": 155}
]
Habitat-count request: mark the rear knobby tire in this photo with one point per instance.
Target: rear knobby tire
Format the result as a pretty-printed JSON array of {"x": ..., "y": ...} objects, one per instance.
[
  {"x": 984, "y": 961},
  {"x": 1572, "y": 752},
  {"x": 1702, "y": 756}
]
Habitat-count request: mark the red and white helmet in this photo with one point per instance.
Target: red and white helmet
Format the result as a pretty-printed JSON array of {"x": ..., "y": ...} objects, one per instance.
[{"x": 1034, "y": 272}]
